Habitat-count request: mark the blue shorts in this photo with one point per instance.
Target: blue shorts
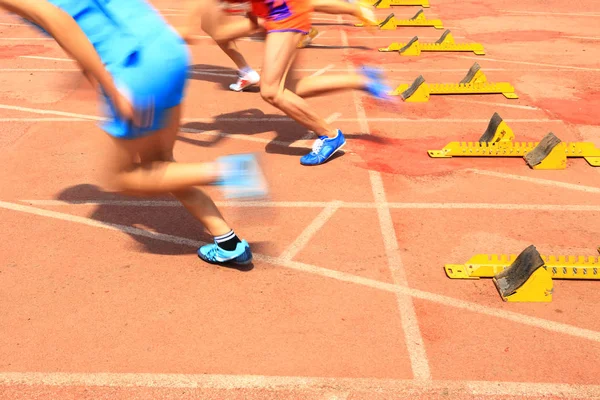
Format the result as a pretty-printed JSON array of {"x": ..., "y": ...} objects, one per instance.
[{"x": 155, "y": 74}]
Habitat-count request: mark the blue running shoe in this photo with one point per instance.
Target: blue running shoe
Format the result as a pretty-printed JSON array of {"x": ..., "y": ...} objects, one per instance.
[
  {"x": 213, "y": 254},
  {"x": 323, "y": 148},
  {"x": 373, "y": 73},
  {"x": 241, "y": 177},
  {"x": 375, "y": 83}
]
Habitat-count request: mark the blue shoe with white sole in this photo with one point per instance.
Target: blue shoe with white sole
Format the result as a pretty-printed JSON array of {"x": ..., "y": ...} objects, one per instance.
[
  {"x": 375, "y": 83},
  {"x": 242, "y": 177},
  {"x": 323, "y": 148},
  {"x": 213, "y": 254}
]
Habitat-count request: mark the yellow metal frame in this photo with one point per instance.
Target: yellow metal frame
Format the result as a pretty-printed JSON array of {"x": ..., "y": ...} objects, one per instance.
[
  {"x": 478, "y": 84},
  {"x": 539, "y": 286},
  {"x": 447, "y": 44},
  {"x": 390, "y": 3},
  {"x": 558, "y": 267},
  {"x": 557, "y": 159},
  {"x": 503, "y": 133},
  {"x": 391, "y": 22},
  {"x": 537, "y": 289}
]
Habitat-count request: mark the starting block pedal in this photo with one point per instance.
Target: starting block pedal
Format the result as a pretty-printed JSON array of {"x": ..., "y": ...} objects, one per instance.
[
  {"x": 497, "y": 131},
  {"x": 389, "y": 3},
  {"x": 497, "y": 141},
  {"x": 475, "y": 82},
  {"x": 528, "y": 276},
  {"x": 419, "y": 19},
  {"x": 443, "y": 44}
]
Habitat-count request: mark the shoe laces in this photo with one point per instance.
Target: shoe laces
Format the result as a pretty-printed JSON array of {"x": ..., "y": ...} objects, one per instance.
[
  {"x": 212, "y": 251},
  {"x": 317, "y": 145}
]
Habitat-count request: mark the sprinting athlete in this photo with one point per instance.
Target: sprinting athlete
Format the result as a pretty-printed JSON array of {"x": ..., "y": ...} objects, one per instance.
[
  {"x": 285, "y": 22},
  {"x": 247, "y": 76},
  {"x": 140, "y": 65}
]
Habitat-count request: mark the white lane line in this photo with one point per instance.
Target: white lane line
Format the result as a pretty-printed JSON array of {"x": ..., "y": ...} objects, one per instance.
[
  {"x": 583, "y": 37},
  {"x": 408, "y": 316},
  {"x": 88, "y": 118},
  {"x": 39, "y": 70},
  {"x": 545, "y": 13},
  {"x": 399, "y": 119},
  {"x": 345, "y": 43},
  {"x": 23, "y": 39},
  {"x": 533, "y": 63},
  {"x": 541, "y": 323},
  {"x": 50, "y": 112},
  {"x": 539, "y": 181},
  {"x": 198, "y": 72},
  {"x": 332, "y": 118},
  {"x": 66, "y": 119},
  {"x": 391, "y": 71},
  {"x": 492, "y": 206},
  {"x": 48, "y": 58},
  {"x": 322, "y": 204},
  {"x": 485, "y": 103},
  {"x": 310, "y": 231},
  {"x": 323, "y": 70},
  {"x": 98, "y": 224},
  {"x": 174, "y": 203},
  {"x": 395, "y": 387},
  {"x": 363, "y": 121}
]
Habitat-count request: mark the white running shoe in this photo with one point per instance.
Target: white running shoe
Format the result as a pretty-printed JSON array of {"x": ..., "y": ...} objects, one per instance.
[{"x": 245, "y": 81}]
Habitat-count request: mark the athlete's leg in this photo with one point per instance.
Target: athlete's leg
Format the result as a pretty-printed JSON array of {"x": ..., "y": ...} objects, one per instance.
[
  {"x": 339, "y": 7},
  {"x": 358, "y": 10},
  {"x": 288, "y": 96},
  {"x": 148, "y": 164},
  {"x": 154, "y": 176},
  {"x": 316, "y": 85},
  {"x": 234, "y": 54},
  {"x": 280, "y": 52},
  {"x": 198, "y": 203}
]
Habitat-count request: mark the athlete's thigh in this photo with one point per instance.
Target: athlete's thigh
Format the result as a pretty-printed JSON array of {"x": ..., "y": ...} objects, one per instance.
[
  {"x": 280, "y": 52},
  {"x": 159, "y": 146}
]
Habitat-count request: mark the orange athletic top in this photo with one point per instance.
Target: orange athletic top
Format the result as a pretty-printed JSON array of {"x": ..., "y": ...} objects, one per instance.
[{"x": 284, "y": 15}]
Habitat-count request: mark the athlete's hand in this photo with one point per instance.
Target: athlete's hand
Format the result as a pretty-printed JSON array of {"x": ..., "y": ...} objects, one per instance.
[
  {"x": 141, "y": 115},
  {"x": 259, "y": 23},
  {"x": 124, "y": 107}
]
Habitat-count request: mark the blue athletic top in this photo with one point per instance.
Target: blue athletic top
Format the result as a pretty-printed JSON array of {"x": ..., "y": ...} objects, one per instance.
[
  {"x": 120, "y": 29},
  {"x": 116, "y": 28}
]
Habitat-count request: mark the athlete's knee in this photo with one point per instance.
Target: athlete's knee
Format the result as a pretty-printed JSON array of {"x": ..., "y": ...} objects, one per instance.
[
  {"x": 123, "y": 179},
  {"x": 270, "y": 93}
]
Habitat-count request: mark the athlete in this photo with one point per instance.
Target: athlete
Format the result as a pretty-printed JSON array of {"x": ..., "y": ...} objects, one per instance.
[
  {"x": 285, "y": 22},
  {"x": 140, "y": 65},
  {"x": 247, "y": 76}
]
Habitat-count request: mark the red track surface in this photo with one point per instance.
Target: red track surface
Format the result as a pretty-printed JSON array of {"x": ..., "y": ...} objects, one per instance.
[{"x": 347, "y": 298}]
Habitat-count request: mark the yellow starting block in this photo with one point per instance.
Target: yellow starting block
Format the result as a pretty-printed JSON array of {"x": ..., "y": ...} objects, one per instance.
[
  {"x": 527, "y": 277},
  {"x": 419, "y": 19},
  {"x": 389, "y": 3},
  {"x": 443, "y": 44},
  {"x": 497, "y": 141},
  {"x": 475, "y": 82}
]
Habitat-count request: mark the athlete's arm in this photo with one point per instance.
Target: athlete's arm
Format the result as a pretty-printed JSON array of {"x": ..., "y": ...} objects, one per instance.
[{"x": 63, "y": 28}]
